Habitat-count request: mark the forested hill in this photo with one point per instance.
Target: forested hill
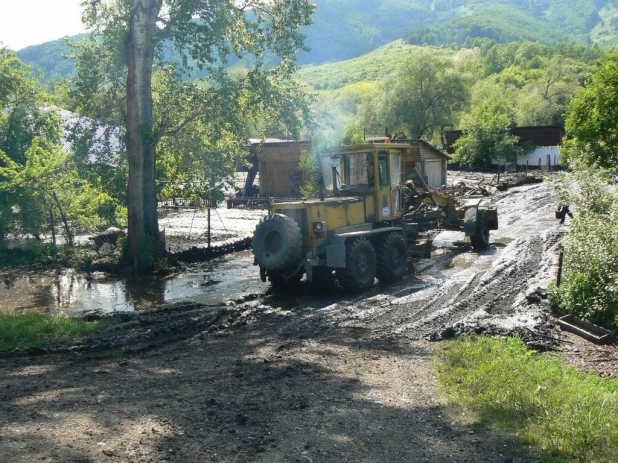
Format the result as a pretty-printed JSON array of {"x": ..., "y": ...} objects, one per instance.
[{"x": 346, "y": 29}]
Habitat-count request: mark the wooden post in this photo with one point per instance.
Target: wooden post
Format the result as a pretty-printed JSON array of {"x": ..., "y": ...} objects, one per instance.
[
  {"x": 540, "y": 167},
  {"x": 498, "y": 181},
  {"x": 526, "y": 167},
  {"x": 559, "y": 274},
  {"x": 209, "y": 227}
]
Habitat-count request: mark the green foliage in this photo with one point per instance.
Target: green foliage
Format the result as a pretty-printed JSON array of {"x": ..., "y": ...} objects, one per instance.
[
  {"x": 200, "y": 127},
  {"x": 486, "y": 129},
  {"x": 592, "y": 119},
  {"x": 373, "y": 66},
  {"x": 419, "y": 99},
  {"x": 342, "y": 30},
  {"x": 24, "y": 331},
  {"x": 500, "y": 23},
  {"x": 561, "y": 413},
  {"x": 310, "y": 166},
  {"x": 36, "y": 175},
  {"x": 589, "y": 286},
  {"x": 533, "y": 83},
  {"x": 51, "y": 57}
]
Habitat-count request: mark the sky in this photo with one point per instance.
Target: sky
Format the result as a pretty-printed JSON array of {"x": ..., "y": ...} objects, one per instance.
[{"x": 31, "y": 22}]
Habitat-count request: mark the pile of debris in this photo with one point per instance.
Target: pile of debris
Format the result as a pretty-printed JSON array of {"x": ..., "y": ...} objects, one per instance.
[{"x": 462, "y": 189}]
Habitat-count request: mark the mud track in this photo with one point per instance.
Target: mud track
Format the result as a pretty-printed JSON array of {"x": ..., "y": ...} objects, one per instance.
[{"x": 302, "y": 377}]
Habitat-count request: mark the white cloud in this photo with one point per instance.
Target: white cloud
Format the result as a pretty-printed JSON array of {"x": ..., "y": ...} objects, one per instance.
[{"x": 31, "y": 22}]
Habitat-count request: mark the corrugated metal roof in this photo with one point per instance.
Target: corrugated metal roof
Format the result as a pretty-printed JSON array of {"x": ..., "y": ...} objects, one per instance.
[
  {"x": 269, "y": 141},
  {"x": 413, "y": 142}
]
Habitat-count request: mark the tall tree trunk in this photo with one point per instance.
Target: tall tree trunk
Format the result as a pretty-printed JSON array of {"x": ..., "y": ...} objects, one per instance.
[{"x": 144, "y": 242}]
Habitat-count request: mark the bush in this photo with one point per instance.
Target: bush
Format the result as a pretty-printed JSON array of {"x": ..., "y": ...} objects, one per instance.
[{"x": 589, "y": 288}]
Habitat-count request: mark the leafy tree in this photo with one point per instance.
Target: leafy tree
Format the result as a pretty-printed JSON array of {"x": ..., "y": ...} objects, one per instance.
[
  {"x": 420, "y": 98},
  {"x": 543, "y": 100},
  {"x": 38, "y": 177},
  {"x": 486, "y": 129},
  {"x": 115, "y": 84},
  {"x": 589, "y": 286},
  {"x": 592, "y": 118},
  {"x": 22, "y": 121}
]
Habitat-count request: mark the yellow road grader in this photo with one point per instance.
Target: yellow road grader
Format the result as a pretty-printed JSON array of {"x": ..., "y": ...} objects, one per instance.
[{"x": 365, "y": 225}]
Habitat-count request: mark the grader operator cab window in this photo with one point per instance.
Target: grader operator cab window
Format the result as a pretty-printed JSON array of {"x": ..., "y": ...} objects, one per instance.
[
  {"x": 383, "y": 168},
  {"x": 358, "y": 169}
]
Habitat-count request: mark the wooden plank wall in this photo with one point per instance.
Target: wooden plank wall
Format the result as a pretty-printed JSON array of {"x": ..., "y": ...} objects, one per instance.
[{"x": 279, "y": 168}]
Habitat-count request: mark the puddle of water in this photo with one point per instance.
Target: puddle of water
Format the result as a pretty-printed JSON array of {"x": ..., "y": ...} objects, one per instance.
[
  {"x": 70, "y": 292},
  {"x": 469, "y": 260}
]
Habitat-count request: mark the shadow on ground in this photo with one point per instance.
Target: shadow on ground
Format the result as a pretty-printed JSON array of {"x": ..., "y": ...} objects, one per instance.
[{"x": 283, "y": 387}]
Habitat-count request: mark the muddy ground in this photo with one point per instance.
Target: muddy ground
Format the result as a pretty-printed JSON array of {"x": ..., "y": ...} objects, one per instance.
[{"x": 305, "y": 377}]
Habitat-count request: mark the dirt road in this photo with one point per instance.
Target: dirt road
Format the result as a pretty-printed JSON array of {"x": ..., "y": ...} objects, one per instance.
[{"x": 302, "y": 378}]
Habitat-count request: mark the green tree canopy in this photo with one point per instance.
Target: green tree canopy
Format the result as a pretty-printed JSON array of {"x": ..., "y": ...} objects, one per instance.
[
  {"x": 37, "y": 176},
  {"x": 420, "y": 99},
  {"x": 486, "y": 129},
  {"x": 592, "y": 118},
  {"x": 133, "y": 73}
]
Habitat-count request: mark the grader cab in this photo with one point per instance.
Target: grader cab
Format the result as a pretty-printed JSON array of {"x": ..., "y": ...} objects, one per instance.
[{"x": 365, "y": 225}]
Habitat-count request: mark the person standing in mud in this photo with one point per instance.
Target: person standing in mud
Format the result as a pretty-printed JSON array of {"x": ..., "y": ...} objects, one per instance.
[
  {"x": 563, "y": 211},
  {"x": 563, "y": 207}
]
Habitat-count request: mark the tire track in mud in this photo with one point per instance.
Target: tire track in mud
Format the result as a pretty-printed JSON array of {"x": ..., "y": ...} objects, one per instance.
[{"x": 500, "y": 291}]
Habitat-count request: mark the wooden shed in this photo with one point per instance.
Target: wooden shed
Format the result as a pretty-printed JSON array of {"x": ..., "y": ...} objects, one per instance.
[{"x": 278, "y": 164}]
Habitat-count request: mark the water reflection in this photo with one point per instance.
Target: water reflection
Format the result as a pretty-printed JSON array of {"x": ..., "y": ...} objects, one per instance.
[{"x": 71, "y": 292}]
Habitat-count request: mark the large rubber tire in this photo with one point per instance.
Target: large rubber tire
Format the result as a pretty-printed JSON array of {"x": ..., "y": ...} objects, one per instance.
[
  {"x": 360, "y": 270},
  {"x": 392, "y": 252},
  {"x": 277, "y": 242},
  {"x": 480, "y": 239}
]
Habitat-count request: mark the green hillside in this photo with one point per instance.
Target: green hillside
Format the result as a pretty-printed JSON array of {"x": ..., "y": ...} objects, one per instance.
[
  {"x": 50, "y": 57},
  {"x": 372, "y": 66},
  {"x": 502, "y": 24}
]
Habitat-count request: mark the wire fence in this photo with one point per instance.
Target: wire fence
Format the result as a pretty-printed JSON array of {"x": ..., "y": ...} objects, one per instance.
[
  {"x": 186, "y": 225},
  {"x": 189, "y": 227}
]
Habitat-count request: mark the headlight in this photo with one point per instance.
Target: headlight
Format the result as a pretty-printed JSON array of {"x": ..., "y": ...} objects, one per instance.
[{"x": 318, "y": 226}]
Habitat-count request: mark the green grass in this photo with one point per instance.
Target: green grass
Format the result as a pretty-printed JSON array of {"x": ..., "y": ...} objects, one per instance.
[
  {"x": 22, "y": 331},
  {"x": 36, "y": 254},
  {"x": 563, "y": 414}
]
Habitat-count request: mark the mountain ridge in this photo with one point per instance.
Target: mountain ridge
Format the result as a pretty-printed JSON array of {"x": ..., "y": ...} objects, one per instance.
[{"x": 345, "y": 29}]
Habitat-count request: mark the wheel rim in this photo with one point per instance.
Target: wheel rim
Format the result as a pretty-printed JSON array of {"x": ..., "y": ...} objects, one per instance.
[
  {"x": 272, "y": 242},
  {"x": 362, "y": 265},
  {"x": 394, "y": 257}
]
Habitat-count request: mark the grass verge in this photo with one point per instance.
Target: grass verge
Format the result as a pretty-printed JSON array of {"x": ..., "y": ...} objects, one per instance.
[
  {"x": 23, "y": 331},
  {"x": 564, "y": 414}
]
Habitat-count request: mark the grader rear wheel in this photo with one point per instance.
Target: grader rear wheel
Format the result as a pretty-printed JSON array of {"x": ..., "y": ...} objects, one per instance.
[
  {"x": 392, "y": 252},
  {"x": 360, "y": 270},
  {"x": 480, "y": 239}
]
